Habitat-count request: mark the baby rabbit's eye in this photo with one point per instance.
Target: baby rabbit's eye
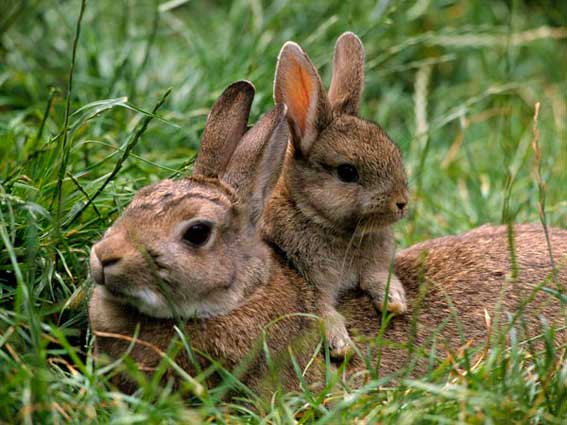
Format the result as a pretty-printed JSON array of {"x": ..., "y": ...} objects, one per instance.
[
  {"x": 198, "y": 234},
  {"x": 347, "y": 173}
]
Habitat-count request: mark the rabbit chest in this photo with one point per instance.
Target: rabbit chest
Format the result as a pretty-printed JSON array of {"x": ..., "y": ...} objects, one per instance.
[
  {"x": 340, "y": 264},
  {"x": 329, "y": 261}
]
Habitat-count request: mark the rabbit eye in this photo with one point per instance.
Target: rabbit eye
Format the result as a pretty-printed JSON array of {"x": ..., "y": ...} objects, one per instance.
[
  {"x": 198, "y": 234},
  {"x": 347, "y": 173}
]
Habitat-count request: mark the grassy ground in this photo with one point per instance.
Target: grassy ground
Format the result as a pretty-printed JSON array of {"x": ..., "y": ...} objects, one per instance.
[{"x": 455, "y": 83}]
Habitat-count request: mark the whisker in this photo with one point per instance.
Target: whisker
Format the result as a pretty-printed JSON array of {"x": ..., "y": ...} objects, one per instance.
[{"x": 348, "y": 248}]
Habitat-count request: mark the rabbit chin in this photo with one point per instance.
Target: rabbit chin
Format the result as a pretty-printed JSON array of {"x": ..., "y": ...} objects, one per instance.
[
  {"x": 145, "y": 300},
  {"x": 153, "y": 304},
  {"x": 376, "y": 221}
]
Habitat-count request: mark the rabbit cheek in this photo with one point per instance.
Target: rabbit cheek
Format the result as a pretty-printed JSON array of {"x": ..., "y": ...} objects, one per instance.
[
  {"x": 331, "y": 199},
  {"x": 202, "y": 282},
  {"x": 150, "y": 302},
  {"x": 97, "y": 274}
]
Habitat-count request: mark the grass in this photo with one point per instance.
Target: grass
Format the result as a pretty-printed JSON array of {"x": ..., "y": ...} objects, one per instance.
[{"x": 86, "y": 120}]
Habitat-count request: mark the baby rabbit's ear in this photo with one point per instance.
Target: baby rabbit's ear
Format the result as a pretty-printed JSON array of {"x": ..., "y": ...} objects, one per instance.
[
  {"x": 348, "y": 74},
  {"x": 298, "y": 85},
  {"x": 225, "y": 126},
  {"x": 255, "y": 167}
]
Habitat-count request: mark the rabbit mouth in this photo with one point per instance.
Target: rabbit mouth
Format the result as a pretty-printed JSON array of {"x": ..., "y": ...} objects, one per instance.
[
  {"x": 375, "y": 221},
  {"x": 115, "y": 295},
  {"x": 145, "y": 300}
]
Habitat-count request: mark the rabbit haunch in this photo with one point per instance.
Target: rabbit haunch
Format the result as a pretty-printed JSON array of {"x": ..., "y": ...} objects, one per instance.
[{"x": 451, "y": 282}]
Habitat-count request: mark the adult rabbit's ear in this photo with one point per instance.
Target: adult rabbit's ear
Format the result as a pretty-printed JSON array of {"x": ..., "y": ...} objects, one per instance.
[
  {"x": 298, "y": 85},
  {"x": 348, "y": 75},
  {"x": 225, "y": 126},
  {"x": 257, "y": 162}
]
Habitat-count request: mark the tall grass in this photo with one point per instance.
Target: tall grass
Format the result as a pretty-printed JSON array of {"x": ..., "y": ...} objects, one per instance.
[{"x": 85, "y": 120}]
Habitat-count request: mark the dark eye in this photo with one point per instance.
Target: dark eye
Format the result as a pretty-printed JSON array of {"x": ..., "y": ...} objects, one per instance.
[
  {"x": 347, "y": 173},
  {"x": 198, "y": 234}
]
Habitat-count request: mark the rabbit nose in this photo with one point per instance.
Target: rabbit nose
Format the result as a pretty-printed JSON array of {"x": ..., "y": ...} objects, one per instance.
[
  {"x": 104, "y": 254},
  {"x": 107, "y": 262},
  {"x": 96, "y": 268},
  {"x": 107, "y": 252}
]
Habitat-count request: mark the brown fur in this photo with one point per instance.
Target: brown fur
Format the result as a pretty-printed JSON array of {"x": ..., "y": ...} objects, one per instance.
[
  {"x": 226, "y": 124},
  {"x": 456, "y": 279},
  {"x": 148, "y": 272},
  {"x": 347, "y": 82},
  {"x": 470, "y": 270},
  {"x": 260, "y": 295},
  {"x": 145, "y": 258},
  {"x": 230, "y": 339},
  {"x": 336, "y": 232}
]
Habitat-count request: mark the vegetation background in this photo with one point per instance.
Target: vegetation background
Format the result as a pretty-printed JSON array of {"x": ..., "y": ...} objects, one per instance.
[{"x": 82, "y": 127}]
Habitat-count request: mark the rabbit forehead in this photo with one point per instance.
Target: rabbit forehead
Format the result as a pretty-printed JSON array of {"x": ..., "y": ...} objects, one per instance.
[
  {"x": 162, "y": 196},
  {"x": 171, "y": 201},
  {"x": 359, "y": 142}
]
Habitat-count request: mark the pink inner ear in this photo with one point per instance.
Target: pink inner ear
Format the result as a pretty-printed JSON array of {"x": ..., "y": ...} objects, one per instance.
[{"x": 299, "y": 92}]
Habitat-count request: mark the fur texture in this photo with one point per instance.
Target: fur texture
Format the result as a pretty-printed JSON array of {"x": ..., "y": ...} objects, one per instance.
[
  {"x": 335, "y": 227},
  {"x": 189, "y": 248},
  {"x": 279, "y": 307},
  {"x": 243, "y": 294},
  {"x": 153, "y": 267},
  {"x": 450, "y": 283}
]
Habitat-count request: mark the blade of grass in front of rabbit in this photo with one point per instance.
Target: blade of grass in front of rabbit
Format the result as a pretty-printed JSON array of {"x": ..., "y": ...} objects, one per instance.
[
  {"x": 217, "y": 393},
  {"x": 167, "y": 362},
  {"x": 416, "y": 305},
  {"x": 386, "y": 318},
  {"x": 230, "y": 379},
  {"x": 518, "y": 314},
  {"x": 541, "y": 191},
  {"x": 454, "y": 314},
  {"x": 316, "y": 351},
  {"x": 543, "y": 371},
  {"x": 165, "y": 291},
  {"x": 132, "y": 341},
  {"x": 348, "y": 249},
  {"x": 164, "y": 288}
]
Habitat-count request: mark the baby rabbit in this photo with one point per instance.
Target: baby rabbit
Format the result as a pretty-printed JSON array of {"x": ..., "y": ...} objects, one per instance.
[
  {"x": 190, "y": 249},
  {"x": 342, "y": 187}
]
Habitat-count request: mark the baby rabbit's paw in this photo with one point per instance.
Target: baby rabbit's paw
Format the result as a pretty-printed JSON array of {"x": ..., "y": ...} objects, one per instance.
[
  {"x": 340, "y": 344},
  {"x": 397, "y": 303}
]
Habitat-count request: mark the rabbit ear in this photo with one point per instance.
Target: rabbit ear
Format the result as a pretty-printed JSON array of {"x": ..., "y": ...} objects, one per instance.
[
  {"x": 348, "y": 74},
  {"x": 255, "y": 167},
  {"x": 297, "y": 84},
  {"x": 225, "y": 126}
]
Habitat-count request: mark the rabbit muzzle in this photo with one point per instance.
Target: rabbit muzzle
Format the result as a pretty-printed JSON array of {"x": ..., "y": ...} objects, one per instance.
[
  {"x": 120, "y": 270},
  {"x": 387, "y": 209},
  {"x": 116, "y": 264},
  {"x": 399, "y": 204},
  {"x": 108, "y": 258}
]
